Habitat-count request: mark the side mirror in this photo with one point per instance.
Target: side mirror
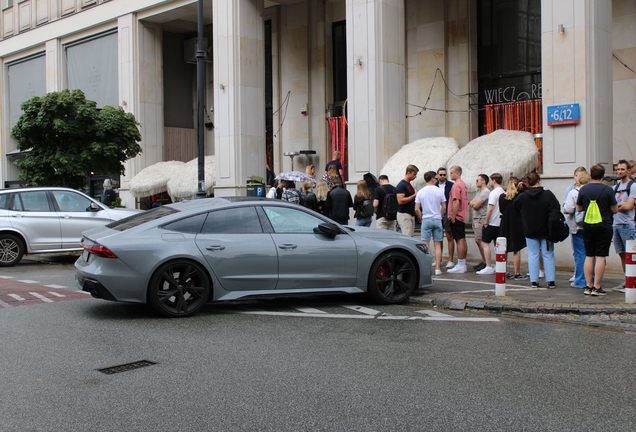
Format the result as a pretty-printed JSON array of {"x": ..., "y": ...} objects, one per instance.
[
  {"x": 94, "y": 207},
  {"x": 327, "y": 229}
]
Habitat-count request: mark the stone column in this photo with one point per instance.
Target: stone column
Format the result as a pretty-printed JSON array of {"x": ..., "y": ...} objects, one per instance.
[
  {"x": 375, "y": 83},
  {"x": 239, "y": 94},
  {"x": 53, "y": 65},
  {"x": 141, "y": 91},
  {"x": 577, "y": 68}
]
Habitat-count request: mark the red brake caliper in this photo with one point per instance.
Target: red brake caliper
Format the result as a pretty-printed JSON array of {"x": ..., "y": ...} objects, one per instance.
[{"x": 382, "y": 272}]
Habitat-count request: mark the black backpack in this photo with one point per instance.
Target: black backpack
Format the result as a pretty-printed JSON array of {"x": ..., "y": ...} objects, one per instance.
[
  {"x": 390, "y": 206},
  {"x": 558, "y": 230},
  {"x": 366, "y": 209}
]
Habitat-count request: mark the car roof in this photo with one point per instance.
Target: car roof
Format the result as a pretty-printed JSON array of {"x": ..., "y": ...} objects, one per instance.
[
  {"x": 216, "y": 202},
  {"x": 32, "y": 188}
]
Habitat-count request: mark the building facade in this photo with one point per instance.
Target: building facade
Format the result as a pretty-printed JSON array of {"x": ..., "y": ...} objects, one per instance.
[{"x": 277, "y": 71}]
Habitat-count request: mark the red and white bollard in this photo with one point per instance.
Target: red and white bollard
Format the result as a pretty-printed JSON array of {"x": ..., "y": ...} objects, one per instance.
[
  {"x": 500, "y": 266},
  {"x": 630, "y": 272}
]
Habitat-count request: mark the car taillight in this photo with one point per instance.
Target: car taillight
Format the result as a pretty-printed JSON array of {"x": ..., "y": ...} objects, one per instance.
[{"x": 99, "y": 250}]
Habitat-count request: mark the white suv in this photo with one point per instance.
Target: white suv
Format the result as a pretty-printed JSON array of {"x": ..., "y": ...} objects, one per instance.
[{"x": 48, "y": 219}]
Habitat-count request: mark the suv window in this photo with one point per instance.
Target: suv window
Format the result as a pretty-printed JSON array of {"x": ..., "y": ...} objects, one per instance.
[
  {"x": 238, "y": 220},
  {"x": 4, "y": 201},
  {"x": 71, "y": 201},
  {"x": 35, "y": 201},
  {"x": 141, "y": 218}
]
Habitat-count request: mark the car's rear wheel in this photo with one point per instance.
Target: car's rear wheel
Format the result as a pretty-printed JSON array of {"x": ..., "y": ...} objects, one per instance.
[
  {"x": 11, "y": 250},
  {"x": 179, "y": 289},
  {"x": 392, "y": 278}
]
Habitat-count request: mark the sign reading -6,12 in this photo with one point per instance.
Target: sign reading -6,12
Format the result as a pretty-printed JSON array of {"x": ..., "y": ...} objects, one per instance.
[{"x": 563, "y": 115}]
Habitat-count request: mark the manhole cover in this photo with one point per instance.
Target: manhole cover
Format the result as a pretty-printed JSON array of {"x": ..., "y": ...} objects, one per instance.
[{"x": 126, "y": 367}]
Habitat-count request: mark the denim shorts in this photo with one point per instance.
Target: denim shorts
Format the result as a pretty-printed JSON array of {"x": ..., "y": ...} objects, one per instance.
[
  {"x": 622, "y": 233},
  {"x": 432, "y": 227}
]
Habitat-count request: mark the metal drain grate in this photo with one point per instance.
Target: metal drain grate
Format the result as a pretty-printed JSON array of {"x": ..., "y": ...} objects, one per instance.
[{"x": 126, "y": 367}]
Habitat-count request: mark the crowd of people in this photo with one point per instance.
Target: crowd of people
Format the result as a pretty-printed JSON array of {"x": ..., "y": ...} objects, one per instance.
[{"x": 520, "y": 210}]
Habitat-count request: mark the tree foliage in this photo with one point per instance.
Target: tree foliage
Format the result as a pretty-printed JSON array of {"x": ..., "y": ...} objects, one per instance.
[{"x": 66, "y": 138}]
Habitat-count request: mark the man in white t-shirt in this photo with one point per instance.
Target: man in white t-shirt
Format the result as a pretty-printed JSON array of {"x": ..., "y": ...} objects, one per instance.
[
  {"x": 430, "y": 205},
  {"x": 490, "y": 230}
]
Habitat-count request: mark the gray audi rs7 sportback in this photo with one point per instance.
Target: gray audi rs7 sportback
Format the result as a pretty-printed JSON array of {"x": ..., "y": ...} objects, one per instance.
[{"x": 180, "y": 256}]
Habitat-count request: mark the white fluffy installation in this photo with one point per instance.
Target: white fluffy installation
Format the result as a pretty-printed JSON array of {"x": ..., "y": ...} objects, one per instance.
[
  {"x": 154, "y": 178},
  {"x": 427, "y": 154},
  {"x": 503, "y": 151},
  {"x": 186, "y": 184}
]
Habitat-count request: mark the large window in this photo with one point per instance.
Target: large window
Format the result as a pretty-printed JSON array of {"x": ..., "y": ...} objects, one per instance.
[
  {"x": 92, "y": 67},
  {"x": 339, "y": 64},
  {"x": 27, "y": 78}
]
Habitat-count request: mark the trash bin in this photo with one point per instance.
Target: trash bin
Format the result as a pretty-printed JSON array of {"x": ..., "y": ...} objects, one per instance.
[{"x": 255, "y": 188}]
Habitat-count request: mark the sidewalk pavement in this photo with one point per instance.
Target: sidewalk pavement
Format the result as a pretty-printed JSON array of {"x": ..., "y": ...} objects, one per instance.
[{"x": 472, "y": 291}]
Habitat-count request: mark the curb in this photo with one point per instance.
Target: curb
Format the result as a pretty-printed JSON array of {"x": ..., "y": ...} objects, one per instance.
[{"x": 522, "y": 307}]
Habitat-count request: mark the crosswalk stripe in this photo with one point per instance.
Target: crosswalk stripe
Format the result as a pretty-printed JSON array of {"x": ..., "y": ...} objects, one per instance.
[
  {"x": 6, "y": 277},
  {"x": 28, "y": 281},
  {"x": 41, "y": 297},
  {"x": 17, "y": 297},
  {"x": 362, "y": 309},
  {"x": 309, "y": 310},
  {"x": 55, "y": 286},
  {"x": 56, "y": 294},
  {"x": 5, "y": 305}
]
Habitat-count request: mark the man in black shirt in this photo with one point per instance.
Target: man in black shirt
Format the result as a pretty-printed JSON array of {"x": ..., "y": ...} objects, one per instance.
[
  {"x": 378, "y": 200},
  {"x": 597, "y": 237}
]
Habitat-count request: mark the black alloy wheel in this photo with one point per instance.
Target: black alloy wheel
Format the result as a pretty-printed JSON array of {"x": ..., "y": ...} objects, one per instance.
[
  {"x": 179, "y": 289},
  {"x": 11, "y": 250},
  {"x": 392, "y": 279}
]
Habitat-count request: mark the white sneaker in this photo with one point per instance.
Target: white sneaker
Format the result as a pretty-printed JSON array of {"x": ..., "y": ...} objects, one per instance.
[
  {"x": 457, "y": 269},
  {"x": 433, "y": 264},
  {"x": 541, "y": 274},
  {"x": 450, "y": 265},
  {"x": 486, "y": 271},
  {"x": 619, "y": 288},
  {"x": 438, "y": 272},
  {"x": 571, "y": 279}
]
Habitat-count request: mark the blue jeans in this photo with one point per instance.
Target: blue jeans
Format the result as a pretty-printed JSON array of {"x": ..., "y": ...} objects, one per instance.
[
  {"x": 364, "y": 221},
  {"x": 536, "y": 246},
  {"x": 578, "y": 246}
]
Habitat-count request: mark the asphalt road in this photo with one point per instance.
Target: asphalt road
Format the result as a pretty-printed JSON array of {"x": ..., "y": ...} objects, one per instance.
[{"x": 230, "y": 369}]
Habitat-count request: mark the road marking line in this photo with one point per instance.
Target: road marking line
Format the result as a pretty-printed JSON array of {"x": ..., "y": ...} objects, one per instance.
[
  {"x": 82, "y": 292},
  {"x": 3, "y": 304},
  {"x": 492, "y": 283},
  {"x": 28, "y": 281},
  {"x": 433, "y": 313},
  {"x": 6, "y": 277},
  {"x": 492, "y": 290},
  {"x": 41, "y": 297},
  {"x": 362, "y": 309},
  {"x": 309, "y": 310},
  {"x": 371, "y": 317},
  {"x": 17, "y": 297},
  {"x": 56, "y": 286},
  {"x": 56, "y": 294}
]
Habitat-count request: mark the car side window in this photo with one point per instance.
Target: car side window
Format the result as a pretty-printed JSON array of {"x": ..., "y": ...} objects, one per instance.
[
  {"x": 4, "y": 201},
  {"x": 35, "y": 201},
  {"x": 287, "y": 220},
  {"x": 190, "y": 225},
  {"x": 71, "y": 202},
  {"x": 237, "y": 220}
]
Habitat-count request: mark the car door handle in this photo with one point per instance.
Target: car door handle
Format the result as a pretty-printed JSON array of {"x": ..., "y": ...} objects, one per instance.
[
  {"x": 17, "y": 215},
  {"x": 215, "y": 248},
  {"x": 287, "y": 246}
]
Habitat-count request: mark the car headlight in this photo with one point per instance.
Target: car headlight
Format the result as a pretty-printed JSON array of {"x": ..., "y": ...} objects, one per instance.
[{"x": 423, "y": 248}]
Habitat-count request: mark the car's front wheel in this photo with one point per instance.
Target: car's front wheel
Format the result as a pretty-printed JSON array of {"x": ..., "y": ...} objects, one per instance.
[
  {"x": 392, "y": 278},
  {"x": 11, "y": 250},
  {"x": 179, "y": 288}
]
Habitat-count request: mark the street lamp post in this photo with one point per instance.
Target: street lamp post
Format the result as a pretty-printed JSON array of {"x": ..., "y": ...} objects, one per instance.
[{"x": 200, "y": 102}]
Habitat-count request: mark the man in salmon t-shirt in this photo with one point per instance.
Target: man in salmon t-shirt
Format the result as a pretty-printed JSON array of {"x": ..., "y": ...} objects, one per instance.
[{"x": 457, "y": 211}]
